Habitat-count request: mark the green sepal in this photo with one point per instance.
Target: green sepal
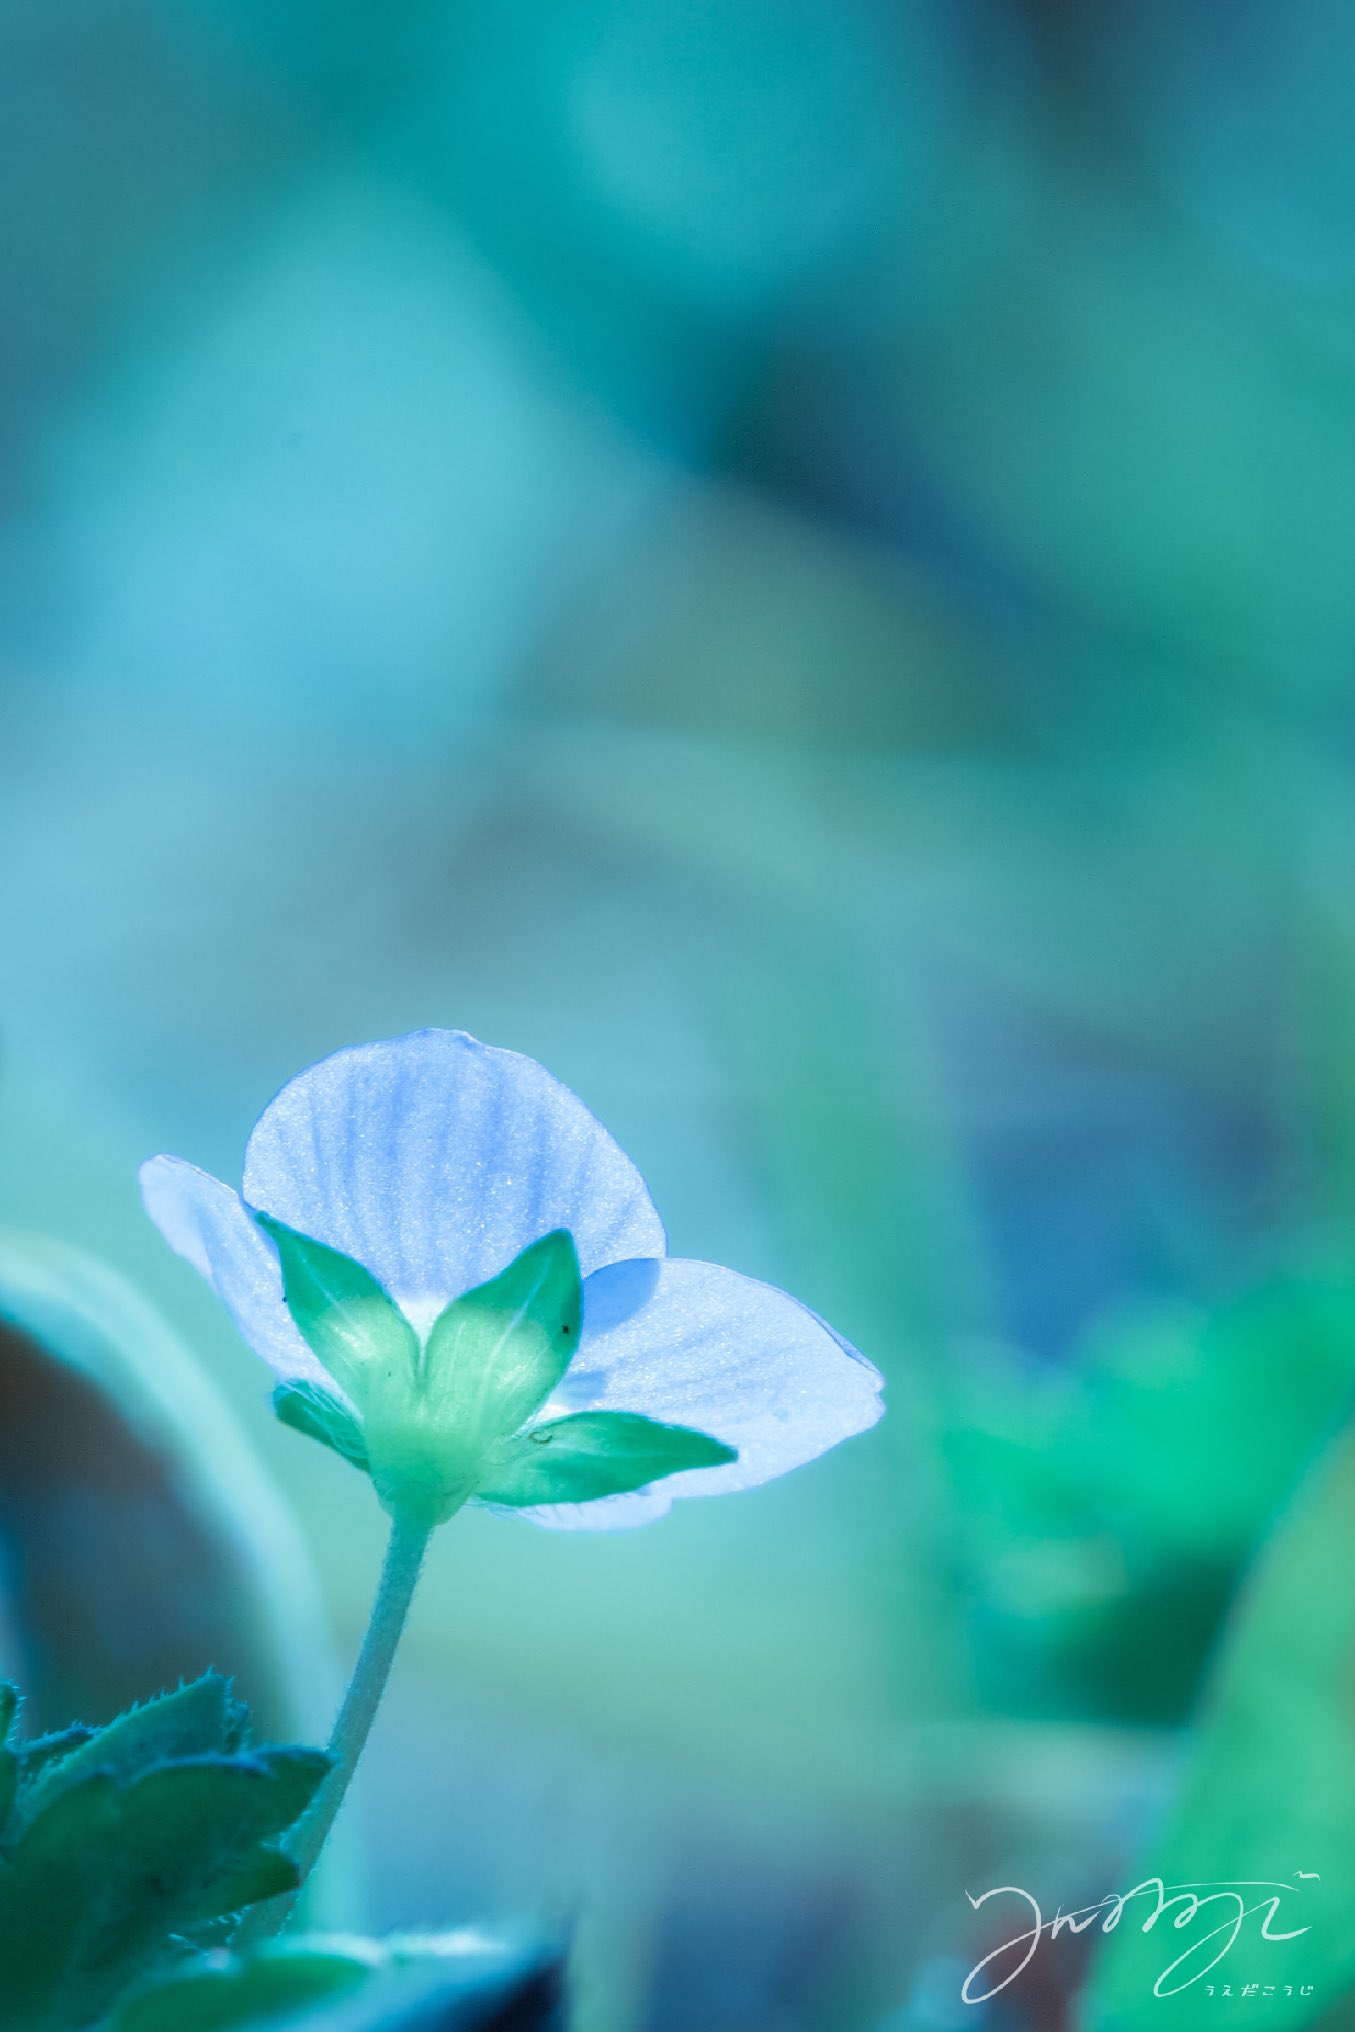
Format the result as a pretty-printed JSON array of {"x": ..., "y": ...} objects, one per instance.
[
  {"x": 495, "y": 1354},
  {"x": 198, "y": 1718},
  {"x": 347, "y": 1319},
  {"x": 592, "y": 1454},
  {"x": 307, "y": 1408},
  {"x": 492, "y": 1358},
  {"x": 426, "y": 1419}
]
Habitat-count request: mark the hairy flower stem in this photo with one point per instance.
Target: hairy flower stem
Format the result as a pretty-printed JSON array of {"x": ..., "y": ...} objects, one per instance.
[{"x": 390, "y": 1611}]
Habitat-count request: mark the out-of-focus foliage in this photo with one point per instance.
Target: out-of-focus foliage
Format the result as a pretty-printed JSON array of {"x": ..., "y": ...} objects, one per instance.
[
  {"x": 1269, "y": 1791},
  {"x": 1111, "y": 1508}
]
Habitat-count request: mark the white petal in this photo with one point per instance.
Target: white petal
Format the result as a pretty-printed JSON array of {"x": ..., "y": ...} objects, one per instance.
[
  {"x": 605, "y": 1513},
  {"x": 209, "y": 1227},
  {"x": 694, "y": 1344},
  {"x": 435, "y": 1160}
]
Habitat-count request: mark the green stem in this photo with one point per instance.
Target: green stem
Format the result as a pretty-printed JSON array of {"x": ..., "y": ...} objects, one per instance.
[{"x": 390, "y": 1611}]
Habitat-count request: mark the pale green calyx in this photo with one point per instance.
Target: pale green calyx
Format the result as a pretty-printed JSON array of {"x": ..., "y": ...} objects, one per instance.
[{"x": 439, "y": 1420}]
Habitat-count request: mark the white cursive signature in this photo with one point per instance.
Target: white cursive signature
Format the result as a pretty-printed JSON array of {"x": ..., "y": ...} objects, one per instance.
[{"x": 1191, "y": 1898}]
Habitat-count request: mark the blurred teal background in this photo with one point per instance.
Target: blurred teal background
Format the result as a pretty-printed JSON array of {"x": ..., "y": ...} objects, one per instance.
[{"x": 793, "y": 562}]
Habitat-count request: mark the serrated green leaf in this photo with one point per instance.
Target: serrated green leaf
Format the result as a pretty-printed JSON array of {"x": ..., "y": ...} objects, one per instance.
[
  {"x": 592, "y": 1454},
  {"x": 320, "y": 1416},
  {"x": 210, "y": 1812},
  {"x": 495, "y": 1354},
  {"x": 44, "y": 1750},
  {"x": 347, "y": 1319},
  {"x": 108, "y": 1876},
  {"x": 200, "y": 1717},
  {"x": 189, "y": 1850},
  {"x": 266, "y": 1873},
  {"x": 49, "y": 1890},
  {"x": 295, "y": 1774}
]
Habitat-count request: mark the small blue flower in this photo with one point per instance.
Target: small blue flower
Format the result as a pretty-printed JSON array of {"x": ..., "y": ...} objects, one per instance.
[{"x": 439, "y": 1165}]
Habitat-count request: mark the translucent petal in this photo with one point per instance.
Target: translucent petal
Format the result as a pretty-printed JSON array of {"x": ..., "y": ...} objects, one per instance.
[
  {"x": 607, "y": 1513},
  {"x": 435, "y": 1160},
  {"x": 209, "y": 1227},
  {"x": 694, "y": 1344}
]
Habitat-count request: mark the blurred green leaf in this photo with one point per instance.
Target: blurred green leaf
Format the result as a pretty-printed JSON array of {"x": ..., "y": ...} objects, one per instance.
[
  {"x": 272, "y": 1984},
  {"x": 1112, "y": 1508},
  {"x": 438, "y": 1983},
  {"x": 1270, "y": 1789},
  {"x": 1338, "y": 2017}
]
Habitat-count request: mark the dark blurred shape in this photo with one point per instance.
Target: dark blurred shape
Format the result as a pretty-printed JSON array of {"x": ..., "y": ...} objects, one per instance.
[
  {"x": 496, "y": 1991},
  {"x": 134, "y": 1551},
  {"x": 1340, "y": 2017},
  {"x": 120, "y": 1584},
  {"x": 726, "y": 1961}
]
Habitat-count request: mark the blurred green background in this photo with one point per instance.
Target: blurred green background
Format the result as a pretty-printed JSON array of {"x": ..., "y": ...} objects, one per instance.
[{"x": 791, "y": 560}]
